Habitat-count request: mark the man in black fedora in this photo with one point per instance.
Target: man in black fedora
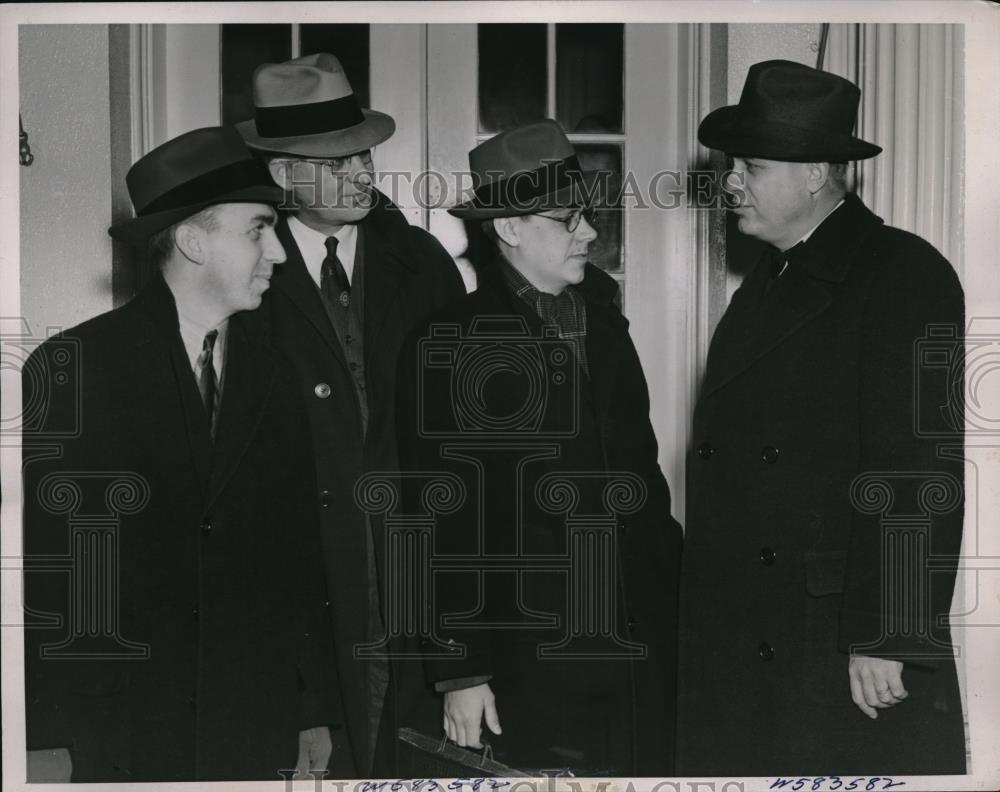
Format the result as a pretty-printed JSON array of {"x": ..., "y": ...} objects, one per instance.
[
  {"x": 815, "y": 636},
  {"x": 181, "y": 631},
  {"x": 555, "y": 623},
  {"x": 357, "y": 279}
]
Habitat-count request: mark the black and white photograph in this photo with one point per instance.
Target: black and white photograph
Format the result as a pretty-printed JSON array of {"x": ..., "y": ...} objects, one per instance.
[{"x": 518, "y": 396}]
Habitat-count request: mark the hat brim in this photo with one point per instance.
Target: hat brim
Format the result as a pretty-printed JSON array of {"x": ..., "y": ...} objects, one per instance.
[
  {"x": 138, "y": 230},
  {"x": 726, "y": 129},
  {"x": 376, "y": 128},
  {"x": 595, "y": 188}
]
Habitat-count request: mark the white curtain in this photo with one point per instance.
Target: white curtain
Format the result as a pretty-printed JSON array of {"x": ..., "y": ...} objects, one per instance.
[{"x": 912, "y": 104}]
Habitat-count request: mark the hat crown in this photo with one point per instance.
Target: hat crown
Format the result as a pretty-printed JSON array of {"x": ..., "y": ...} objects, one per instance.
[
  {"x": 526, "y": 148},
  {"x": 182, "y": 160},
  {"x": 306, "y": 80},
  {"x": 800, "y": 96}
]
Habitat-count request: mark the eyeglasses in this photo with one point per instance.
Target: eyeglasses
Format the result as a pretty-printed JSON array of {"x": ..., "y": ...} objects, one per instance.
[
  {"x": 572, "y": 220},
  {"x": 339, "y": 164}
]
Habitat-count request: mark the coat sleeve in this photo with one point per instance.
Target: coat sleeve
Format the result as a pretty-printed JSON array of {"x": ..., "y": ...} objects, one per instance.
[
  {"x": 896, "y": 604},
  {"x": 448, "y": 653},
  {"x": 55, "y": 440}
]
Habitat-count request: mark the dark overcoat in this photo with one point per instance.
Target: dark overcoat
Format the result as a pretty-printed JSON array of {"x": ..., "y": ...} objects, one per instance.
[
  {"x": 821, "y": 422},
  {"x": 203, "y": 619},
  {"x": 407, "y": 274},
  {"x": 575, "y": 626}
]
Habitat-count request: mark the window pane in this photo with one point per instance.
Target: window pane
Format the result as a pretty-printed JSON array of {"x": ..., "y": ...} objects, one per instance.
[
  {"x": 349, "y": 43},
  {"x": 589, "y": 84},
  {"x": 512, "y": 75},
  {"x": 606, "y": 250},
  {"x": 244, "y": 48}
]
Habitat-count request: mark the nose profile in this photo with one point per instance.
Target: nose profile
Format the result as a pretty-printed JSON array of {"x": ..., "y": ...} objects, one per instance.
[
  {"x": 273, "y": 250},
  {"x": 586, "y": 231}
]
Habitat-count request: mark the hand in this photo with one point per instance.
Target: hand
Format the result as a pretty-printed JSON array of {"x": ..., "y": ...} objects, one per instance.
[
  {"x": 876, "y": 683},
  {"x": 464, "y": 711},
  {"x": 315, "y": 747}
]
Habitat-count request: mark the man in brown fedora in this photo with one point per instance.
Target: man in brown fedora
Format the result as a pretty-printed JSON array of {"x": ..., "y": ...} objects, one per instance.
[
  {"x": 555, "y": 622},
  {"x": 357, "y": 279},
  {"x": 815, "y": 638},
  {"x": 181, "y": 628}
]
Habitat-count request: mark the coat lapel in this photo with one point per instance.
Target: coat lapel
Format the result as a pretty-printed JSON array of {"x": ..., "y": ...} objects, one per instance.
[
  {"x": 157, "y": 303},
  {"x": 384, "y": 260},
  {"x": 247, "y": 382},
  {"x": 755, "y": 324},
  {"x": 293, "y": 280},
  {"x": 606, "y": 334}
]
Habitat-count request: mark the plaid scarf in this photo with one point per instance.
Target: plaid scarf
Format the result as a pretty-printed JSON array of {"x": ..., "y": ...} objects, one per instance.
[{"x": 566, "y": 310}]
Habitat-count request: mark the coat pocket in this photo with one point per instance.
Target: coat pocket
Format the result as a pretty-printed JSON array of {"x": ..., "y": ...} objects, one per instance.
[{"x": 825, "y": 673}]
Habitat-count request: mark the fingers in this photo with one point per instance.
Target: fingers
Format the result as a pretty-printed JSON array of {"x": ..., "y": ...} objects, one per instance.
[
  {"x": 858, "y": 696},
  {"x": 492, "y": 719},
  {"x": 868, "y": 689},
  {"x": 896, "y": 687}
]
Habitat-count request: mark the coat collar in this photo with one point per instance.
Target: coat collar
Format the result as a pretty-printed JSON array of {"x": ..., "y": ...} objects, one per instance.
[
  {"x": 249, "y": 378},
  {"x": 384, "y": 251},
  {"x": 754, "y": 325},
  {"x": 607, "y": 329}
]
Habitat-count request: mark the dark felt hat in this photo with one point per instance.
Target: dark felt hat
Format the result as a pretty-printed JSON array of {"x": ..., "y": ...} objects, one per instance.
[
  {"x": 529, "y": 169},
  {"x": 189, "y": 173},
  {"x": 790, "y": 112}
]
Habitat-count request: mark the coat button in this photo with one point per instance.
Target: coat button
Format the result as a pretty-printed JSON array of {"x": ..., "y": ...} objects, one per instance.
[
  {"x": 632, "y": 623},
  {"x": 769, "y": 454},
  {"x": 192, "y": 702},
  {"x": 194, "y": 613},
  {"x": 322, "y": 391},
  {"x": 324, "y": 498},
  {"x": 766, "y": 651},
  {"x": 705, "y": 451},
  {"x": 767, "y": 556},
  {"x": 206, "y": 528}
]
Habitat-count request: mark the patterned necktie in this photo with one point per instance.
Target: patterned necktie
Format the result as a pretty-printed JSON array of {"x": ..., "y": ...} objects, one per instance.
[
  {"x": 333, "y": 278},
  {"x": 207, "y": 383}
]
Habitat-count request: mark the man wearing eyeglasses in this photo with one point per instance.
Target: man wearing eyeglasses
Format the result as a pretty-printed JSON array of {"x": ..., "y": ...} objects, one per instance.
[
  {"x": 357, "y": 279},
  {"x": 554, "y": 621}
]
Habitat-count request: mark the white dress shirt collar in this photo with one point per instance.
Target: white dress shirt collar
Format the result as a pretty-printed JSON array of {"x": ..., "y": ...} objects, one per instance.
[{"x": 312, "y": 246}]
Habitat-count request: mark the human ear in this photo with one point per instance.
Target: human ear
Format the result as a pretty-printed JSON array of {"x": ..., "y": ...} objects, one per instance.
[
  {"x": 817, "y": 175},
  {"x": 189, "y": 241},
  {"x": 278, "y": 169},
  {"x": 507, "y": 230}
]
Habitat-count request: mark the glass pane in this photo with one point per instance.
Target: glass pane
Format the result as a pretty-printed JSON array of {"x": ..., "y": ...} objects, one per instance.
[
  {"x": 349, "y": 43},
  {"x": 512, "y": 75},
  {"x": 589, "y": 77},
  {"x": 244, "y": 48},
  {"x": 606, "y": 250}
]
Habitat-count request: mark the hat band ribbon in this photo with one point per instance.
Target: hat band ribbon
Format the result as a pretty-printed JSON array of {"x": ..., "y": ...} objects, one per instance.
[
  {"x": 237, "y": 175},
  {"x": 308, "y": 119},
  {"x": 525, "y": 187}
]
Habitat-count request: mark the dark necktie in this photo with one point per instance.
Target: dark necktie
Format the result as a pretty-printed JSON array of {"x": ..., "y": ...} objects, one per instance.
[
  {"x": 207, "y": 383},
  {"x": 333, "y": 278}
]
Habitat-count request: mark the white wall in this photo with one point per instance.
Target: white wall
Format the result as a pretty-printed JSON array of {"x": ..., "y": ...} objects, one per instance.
[
  {"x": 749, "y": 44},
  {"x": 65, "y": 193}
]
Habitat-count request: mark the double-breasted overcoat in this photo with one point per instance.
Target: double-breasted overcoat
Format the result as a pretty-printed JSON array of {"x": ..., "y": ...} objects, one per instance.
[{"x": 825, "y": 512}]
